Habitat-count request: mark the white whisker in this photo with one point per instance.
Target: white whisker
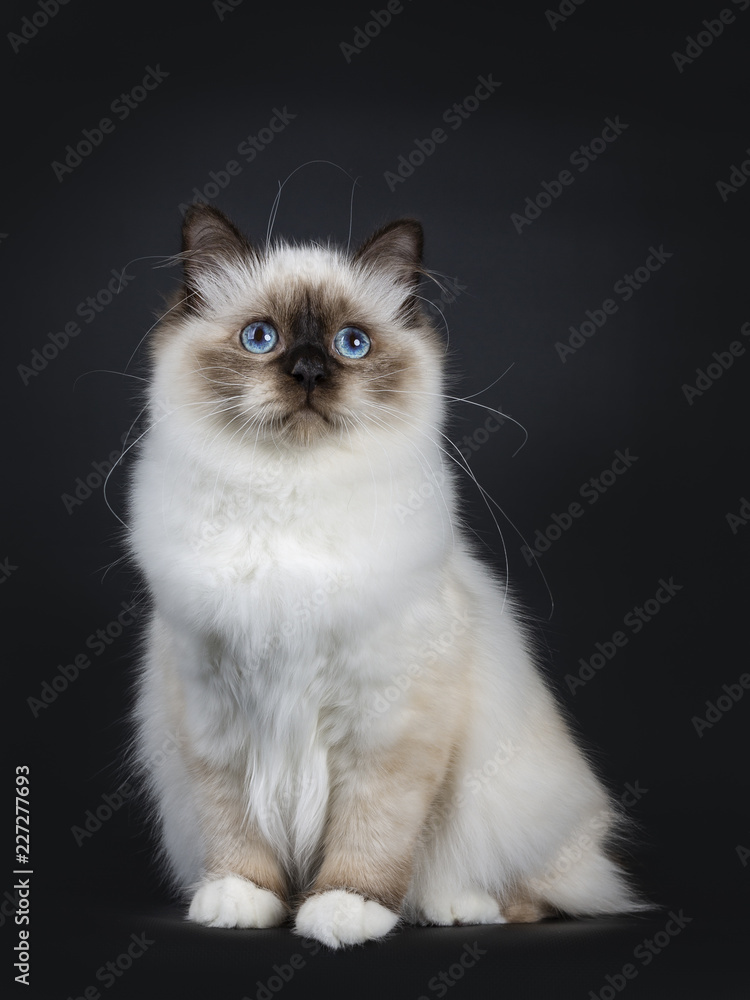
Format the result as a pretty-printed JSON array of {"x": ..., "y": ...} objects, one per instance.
[
  {"x": 487, "y": 500},
  {"x": 155, "y": 324}
]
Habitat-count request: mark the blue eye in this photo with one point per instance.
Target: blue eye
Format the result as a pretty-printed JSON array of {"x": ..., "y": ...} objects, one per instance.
[
  {"x": 351, "y": 342},
  {"x": 259, "y": 338}
]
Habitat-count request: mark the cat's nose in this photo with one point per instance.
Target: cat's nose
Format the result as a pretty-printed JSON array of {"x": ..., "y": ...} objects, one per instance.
[{"x": 308, "y": 370}]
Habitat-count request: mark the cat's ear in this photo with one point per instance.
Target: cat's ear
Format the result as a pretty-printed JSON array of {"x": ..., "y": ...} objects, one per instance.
[
  {"x": 395, "y": 249},
  {"x": 211, "y": 245},
  {"x": 395, "y": 252}
]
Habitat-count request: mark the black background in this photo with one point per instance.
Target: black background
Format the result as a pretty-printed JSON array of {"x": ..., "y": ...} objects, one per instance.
[{"x": 518, "y": 294}]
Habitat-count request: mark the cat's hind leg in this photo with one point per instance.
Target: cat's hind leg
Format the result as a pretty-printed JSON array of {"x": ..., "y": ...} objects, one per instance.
[
  {"x": 442, "y": 890},
  {"x": 445, "y": 906}
]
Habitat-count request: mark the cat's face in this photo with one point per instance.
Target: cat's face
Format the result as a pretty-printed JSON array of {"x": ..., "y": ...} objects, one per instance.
[{"x": 295, "y": 344}]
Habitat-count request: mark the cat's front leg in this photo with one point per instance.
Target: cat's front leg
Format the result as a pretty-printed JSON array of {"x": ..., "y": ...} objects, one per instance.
[
  {"x": 231, "y": 900},
  {"x": 379, "y": 803},
  {"x": 243, "y": 884}
]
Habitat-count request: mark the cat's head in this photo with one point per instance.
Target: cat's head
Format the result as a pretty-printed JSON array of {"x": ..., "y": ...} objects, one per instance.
[{"x": 294, "y": 344}]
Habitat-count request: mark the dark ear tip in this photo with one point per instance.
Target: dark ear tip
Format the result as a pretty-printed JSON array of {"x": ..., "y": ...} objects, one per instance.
[
  {"x": 416, "y": 226},
  {"x": 407, "y": 223},
  {"x": 201, "y": 210},
  {"x": 205, "y": 225},
  {"x": 402, "y": 238},
  {"x": 194, "y": 210},
  {"x": 417, "y": 231}
]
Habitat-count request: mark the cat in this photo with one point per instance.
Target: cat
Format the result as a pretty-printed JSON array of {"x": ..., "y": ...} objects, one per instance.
[{"x": 359, "y": 731}]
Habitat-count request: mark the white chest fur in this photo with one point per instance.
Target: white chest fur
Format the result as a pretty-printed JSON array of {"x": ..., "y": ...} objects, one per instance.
[
  {"x": 291, "y": 589},
  {"x": 327, "y": 539}
]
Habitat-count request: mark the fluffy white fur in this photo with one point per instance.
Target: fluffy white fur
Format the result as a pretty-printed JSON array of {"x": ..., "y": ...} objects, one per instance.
[
  {"x": 234, "y": 902},
  {"x": 304, "y": 598},
  {"x": 339, "y": 918}
]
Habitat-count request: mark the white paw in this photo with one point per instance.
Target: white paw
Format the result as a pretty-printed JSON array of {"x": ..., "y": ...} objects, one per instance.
[
  {"x": 232, "y": 901},
  {"x": 469, "y": 906},
  {"x": 338, "y": 917}
]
